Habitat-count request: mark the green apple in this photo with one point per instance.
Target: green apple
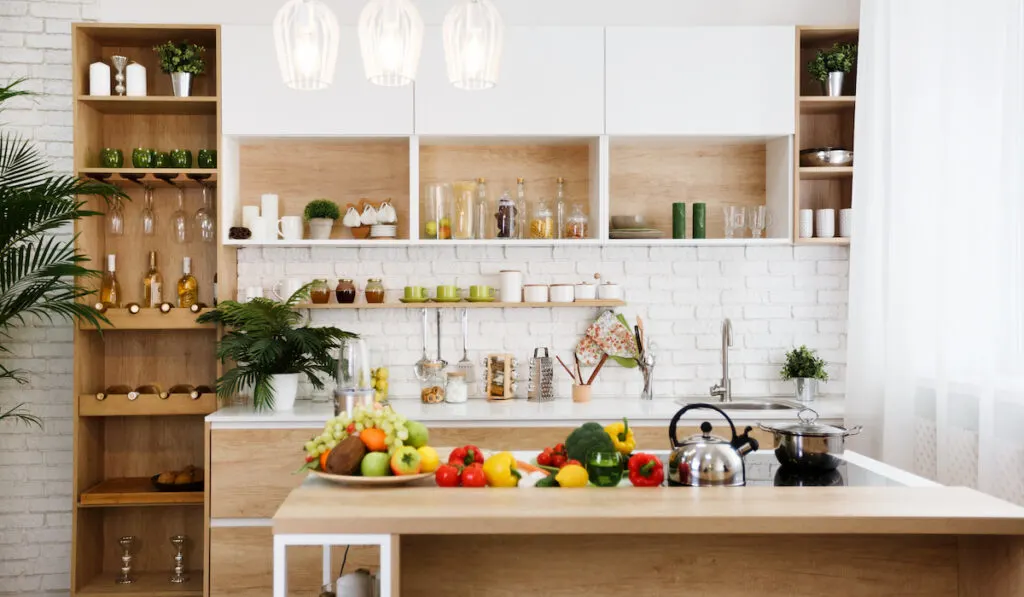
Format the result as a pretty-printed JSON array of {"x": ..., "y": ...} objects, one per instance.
[
  {"x": 431, "y": 229},
  {"x": 406, "y": 461},
  {"x": 418, "y": 434},
  {"x": 374, "y": 464}
]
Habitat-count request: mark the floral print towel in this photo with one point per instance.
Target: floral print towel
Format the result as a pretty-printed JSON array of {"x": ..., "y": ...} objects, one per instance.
[{"x": 608, "y": 334}]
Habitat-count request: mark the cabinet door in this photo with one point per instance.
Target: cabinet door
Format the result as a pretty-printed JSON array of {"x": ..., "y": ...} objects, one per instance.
[
  {"x": 551, "y": 82},
  {"x": 700, "y": 80},
  {"x": 257, "y": 102}
]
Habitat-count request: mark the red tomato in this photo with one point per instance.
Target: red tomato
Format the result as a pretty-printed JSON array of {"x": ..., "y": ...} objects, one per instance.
[
  {"x": 544, "y": 458},
  {"x": 473, "y": 476},
  {"x": 576, "y": 462},
  {"x": 558, "y": 460},
  {"x": 560, "y": 448},
  {"x": 447, "y": 476}
]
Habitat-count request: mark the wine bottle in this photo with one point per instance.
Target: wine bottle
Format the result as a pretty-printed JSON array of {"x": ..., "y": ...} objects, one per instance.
[
  {"x": 199, "y": 391},
  {"x": 165, "y": 308},
  {"x": 110, "y": 290},
  {"x": 197, "y": 307},
  {"x": 111, "y": 390},
  {"x": 144, "y": 389},
  {"x": 181, "y": 388},
  {"x": 188, "y": 287},
  {"x": 134, "y": 308},
  {"x": 521, "y": 208},
  {"x": 152, "y": 284}
]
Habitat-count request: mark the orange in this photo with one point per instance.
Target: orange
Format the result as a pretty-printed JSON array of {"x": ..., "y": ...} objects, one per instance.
[
  {"x": 375, "y": 439},
  {"x": 323, "y": 461}
]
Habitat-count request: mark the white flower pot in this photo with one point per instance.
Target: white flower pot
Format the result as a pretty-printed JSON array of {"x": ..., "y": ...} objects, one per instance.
[
  {"x": 320, "y": 228},
  {"x": 286, "y": 387},
  {"x": 181, "y": 84}
]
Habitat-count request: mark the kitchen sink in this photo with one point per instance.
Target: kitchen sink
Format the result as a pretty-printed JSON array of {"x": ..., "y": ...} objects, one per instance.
[{"x": 748, "y": 404}]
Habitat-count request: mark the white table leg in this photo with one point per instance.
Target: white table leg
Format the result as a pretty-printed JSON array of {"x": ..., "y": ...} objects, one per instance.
[
  {"x": 327, "y": 578},
  {"x": 280, "y": 568},
  {"x": 385, "y": 567}
]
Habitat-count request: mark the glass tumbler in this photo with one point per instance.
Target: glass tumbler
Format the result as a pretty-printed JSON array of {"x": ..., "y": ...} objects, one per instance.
[
  {"x": 734, "y": 216},
  {"x": 437, "y": 211},
  {"x": 604, "y": 468},
  {"x": 758, "y": 219}
]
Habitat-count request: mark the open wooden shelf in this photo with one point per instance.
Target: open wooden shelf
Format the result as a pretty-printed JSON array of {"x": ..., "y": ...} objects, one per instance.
[
  {"x": 151, "y": 319},
  {"x": 464, "y": 305},
  {"x": 193, "y": 177},
  {"x": 150, "y": 104},
  {"x": 118, "y": 405},
  {"x": 136, "y": 491},
  {"x": 821, "y": 104},
  {"x": 825, "y": 172},
  {"x": 147, "y": 584},
  {"x": 823, "y": 241}
]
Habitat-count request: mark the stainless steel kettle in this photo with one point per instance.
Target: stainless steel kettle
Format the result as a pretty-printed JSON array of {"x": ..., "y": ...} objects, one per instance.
[{"x": 706, "y": 460}]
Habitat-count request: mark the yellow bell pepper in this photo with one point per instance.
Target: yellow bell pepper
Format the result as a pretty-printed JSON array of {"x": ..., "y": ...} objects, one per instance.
[
  {"x": 500, "y": 470},
  {"x": 622, "y": 436}
]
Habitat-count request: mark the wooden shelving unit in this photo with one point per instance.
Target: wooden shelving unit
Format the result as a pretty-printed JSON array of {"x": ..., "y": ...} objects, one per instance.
[
  {"x": 121, "y": 443},
  {"x": 466, "y": 305},
  {"x": 822, "y": 121}
]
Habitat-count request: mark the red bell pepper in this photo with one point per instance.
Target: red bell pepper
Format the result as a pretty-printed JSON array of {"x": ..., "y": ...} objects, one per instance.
[
  {"x": 645, "y": 470},
  {"x": 465, "y": 456}
]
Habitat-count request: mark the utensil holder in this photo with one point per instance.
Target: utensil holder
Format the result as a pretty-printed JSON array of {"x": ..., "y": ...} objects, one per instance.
[{"x": 580, "y": 393}]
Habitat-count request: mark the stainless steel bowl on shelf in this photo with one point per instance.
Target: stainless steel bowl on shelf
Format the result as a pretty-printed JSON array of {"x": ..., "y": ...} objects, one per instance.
[{"x": 826, "y": 156}]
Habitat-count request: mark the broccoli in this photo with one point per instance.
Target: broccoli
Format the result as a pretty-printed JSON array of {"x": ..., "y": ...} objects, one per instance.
[{"x": 590, "y": 437}]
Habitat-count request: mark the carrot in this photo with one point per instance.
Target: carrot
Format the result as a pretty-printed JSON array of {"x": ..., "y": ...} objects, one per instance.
[{"x": 526, "y": 467}]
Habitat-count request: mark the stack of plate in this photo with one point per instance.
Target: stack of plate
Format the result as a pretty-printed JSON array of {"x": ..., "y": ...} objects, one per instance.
[
  {"x": 632, "y": 228},
  {"x": 383, "y": 231}
]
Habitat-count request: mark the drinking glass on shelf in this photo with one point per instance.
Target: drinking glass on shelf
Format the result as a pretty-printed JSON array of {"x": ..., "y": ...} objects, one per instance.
[
  {"x": 148, "y": 215},
  {"x": 758, "y": 219},
  {"x": 734, "y": 219},
  {"x": 205, "y": 223},
  {"x": 115, "y": 218},
  {"x": 179, "y": 221}
]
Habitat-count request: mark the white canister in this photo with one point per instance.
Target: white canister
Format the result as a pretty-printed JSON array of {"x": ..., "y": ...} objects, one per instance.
[
  {"x": 535, "y": 293},
  {"x": 135, "y": 80},
  {"x": 609, "y": 291},
  {"x": 511, "y": 286},
  {"x": 562, "y": 293},
  {"x": 249, "y": 215},
  {"x": 806, "y": 223},
  {"x": 269, "y": 211},
  {"x": 585, "y": 291},
  {"x": 846, "y": 223},
  {"x": 825, "y": 223},
  {"x": 99, "y": 78},
  {"x": 258, "y": 229}
]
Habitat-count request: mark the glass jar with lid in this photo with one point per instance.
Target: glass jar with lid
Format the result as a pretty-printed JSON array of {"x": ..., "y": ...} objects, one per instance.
[
  {"x": 456, "y": 390},
  {"x": 374, "y": 291},
  {"x": 320, "y": 292},
  {"x": 506, "y": 217},
  {"x": 345, "y": 291},
  {"x": 577, "y": 224},
  {"x": 432, "y": 385},
  {"x": 542, "y": 222}
]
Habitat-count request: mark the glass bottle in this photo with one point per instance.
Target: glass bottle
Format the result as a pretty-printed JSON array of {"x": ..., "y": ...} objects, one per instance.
[
  {"x": 188, "y": 287},
  {"x": 520, "y": 208},
  {"x": 483, "y": 208},
  {"x": 152, "y": 285},
  {"x": 345, "y": 291},
  {"x": 542, "y": 222},
  {"x": 374, "y": 291},
  {"x": 577, "y": 224},
  {"x": 506, "y": 217},
  {"x": 560, "y": 209},
  {"x": 110, "y": 290},
  {"x": 462, "y": 212}
]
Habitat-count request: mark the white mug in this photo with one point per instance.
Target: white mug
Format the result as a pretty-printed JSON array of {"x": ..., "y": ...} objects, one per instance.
[
  {"x": 846, "y": 223},
  {"x": 562, "y": 293},
  {"x": 290, "y": 227},
  {"x": 249, "y": 215},
  {"x": 258, "y": 229},
  {"x": 252, "y": 292},
  {"x": 535, "y": 293},
  {"x": 825, "y": 223},
  {"x": 511, "y": 286},
  {"x": 284, "y": 289},
  {"x": 806, "y": 223}
]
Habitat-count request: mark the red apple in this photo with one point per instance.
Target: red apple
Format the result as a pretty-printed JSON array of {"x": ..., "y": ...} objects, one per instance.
[{"x": 405, "y": 461}]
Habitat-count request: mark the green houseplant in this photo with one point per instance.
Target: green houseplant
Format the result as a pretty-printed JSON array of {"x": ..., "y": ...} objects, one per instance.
[
  {"x": 182, "y": 61},
  {"x": 321, "y": 214},
  {"x": 807, "y": 368},
  {"x": 270, "y": 348},
  {"x": 829, "y": 66},
  {"x": 39, "y": 267}
]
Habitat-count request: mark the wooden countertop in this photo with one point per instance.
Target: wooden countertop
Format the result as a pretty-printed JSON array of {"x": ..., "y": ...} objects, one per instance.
[{"x": 319, "y": 507}]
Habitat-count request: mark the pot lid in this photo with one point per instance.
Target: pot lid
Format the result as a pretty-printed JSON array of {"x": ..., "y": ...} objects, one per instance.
[{"x": 809, "y": 425}]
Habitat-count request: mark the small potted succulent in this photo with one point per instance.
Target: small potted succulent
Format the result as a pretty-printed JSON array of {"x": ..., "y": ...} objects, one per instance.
[
  {"x": 831, "y": 65},
  {"x": 807, "y": 368},
  {"x": 321, "y": 214},
  {"x": 182, "y": 61}
]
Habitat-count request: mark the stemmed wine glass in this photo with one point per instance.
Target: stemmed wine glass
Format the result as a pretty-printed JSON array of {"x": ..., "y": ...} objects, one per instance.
[
  {"x": 115, "y": 218},
  {"x": 148, "y": 215},
  {"x": 204, "y": 218},
  {"x": 758, "y": 219},
  {"x": 180, "y": 219}
]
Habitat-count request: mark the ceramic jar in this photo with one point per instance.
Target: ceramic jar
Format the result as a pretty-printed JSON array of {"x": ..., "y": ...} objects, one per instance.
[
  {"x": 609, "y": 291},
  {"x": 535, "y": 293},
  {"x": 585, "y": 291},
  {"x": 562, "y": 293}
]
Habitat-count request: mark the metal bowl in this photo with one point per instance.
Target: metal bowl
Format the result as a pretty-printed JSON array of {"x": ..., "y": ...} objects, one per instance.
[{"x": 826, "y": 156}]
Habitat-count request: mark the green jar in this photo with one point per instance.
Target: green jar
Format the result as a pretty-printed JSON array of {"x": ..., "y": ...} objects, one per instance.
[
  {"x": 181, "y": 158},
  {"x": 111, "y": 158},
  {"x": 142, "y": 157},
  {"x": 162, "y": 159},
  {"x": 207, "y": 158}
]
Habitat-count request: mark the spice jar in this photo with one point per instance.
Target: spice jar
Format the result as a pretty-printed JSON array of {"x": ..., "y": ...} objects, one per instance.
[
  {"x": 456, "y": 390},
  {"x": 374, "y": 291},
  {"x": 345, "y": 292},
  {"x": 576, "y": 226},
  {"x": 320, "y": 292},
  {"x": 542, "y": 223},
  {"x": 432, "y": 386},
  {"x": 506, "y": 217}
]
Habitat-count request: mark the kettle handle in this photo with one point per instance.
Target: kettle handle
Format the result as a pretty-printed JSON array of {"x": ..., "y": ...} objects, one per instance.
[{"x": 694, "y": 406}]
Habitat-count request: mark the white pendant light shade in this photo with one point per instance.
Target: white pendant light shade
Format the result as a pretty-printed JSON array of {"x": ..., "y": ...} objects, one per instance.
[
  {"x": 306, "y": 37},
  {"x": 390, "y": 37},
  {"x": 473, "y": 32}
]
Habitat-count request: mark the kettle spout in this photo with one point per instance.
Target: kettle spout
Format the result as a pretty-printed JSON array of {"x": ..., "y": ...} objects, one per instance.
[{"x": 744, "y": 444}]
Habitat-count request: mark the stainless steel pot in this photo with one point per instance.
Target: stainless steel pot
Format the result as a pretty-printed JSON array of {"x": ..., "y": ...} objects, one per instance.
[{"x": 808, "y": 444}]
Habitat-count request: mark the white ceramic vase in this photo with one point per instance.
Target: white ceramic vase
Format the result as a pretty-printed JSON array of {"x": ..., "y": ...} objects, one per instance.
[
  {"x": 320, "y": 228},
  {"x": 286, "y": 387}
]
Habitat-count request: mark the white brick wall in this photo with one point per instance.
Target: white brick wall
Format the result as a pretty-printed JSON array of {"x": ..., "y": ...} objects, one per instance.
[
  {"x": 777, "y": 297},
  {"x": 35, "y": 466}
]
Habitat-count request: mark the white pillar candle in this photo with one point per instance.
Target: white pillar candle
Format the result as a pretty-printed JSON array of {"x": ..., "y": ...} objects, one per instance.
[
  {"x": 806, "y": 223},
  {"x": 846, "y": 223},
  {"x": 825, "y": 223},
  {"x": 136, "y": 83},
  {"x": 99, "y": 78},
  {"x": 269, "y": 212}
]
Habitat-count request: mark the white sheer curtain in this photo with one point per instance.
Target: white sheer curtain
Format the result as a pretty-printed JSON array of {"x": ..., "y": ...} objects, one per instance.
[{"x": 936, "y": 341}]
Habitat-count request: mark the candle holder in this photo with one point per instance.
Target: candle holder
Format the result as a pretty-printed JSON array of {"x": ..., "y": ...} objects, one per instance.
[
  {"x": 178, "y": 572},
  {"x": 119, "y": 63},
  {"x": 126, "y": 543}
]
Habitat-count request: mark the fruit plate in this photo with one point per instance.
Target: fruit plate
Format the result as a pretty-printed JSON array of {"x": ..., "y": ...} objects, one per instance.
[{"x": 356, "y": 480}]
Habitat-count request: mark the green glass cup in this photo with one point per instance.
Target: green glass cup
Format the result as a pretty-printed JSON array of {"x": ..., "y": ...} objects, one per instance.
[
  {"x": 481, "y": 292},
  {"x": 181, "y": 158},
  {"x": 207, "y": 158},
  {"x": 162, "y": 159},
  {"x": 604, "y": 468},
  {"x": 142, "y": 157},
  {"x": 111, "y": 157},
  {"x": 415, "y": 293},
  {"x": 447, "y": 293}
]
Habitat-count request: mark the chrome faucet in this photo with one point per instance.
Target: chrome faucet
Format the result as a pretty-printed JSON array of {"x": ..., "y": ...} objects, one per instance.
[{"x": 723, "y": 389}]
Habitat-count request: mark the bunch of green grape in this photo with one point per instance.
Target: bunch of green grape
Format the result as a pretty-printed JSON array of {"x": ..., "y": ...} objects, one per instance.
[{"x": 339, "y": 427}]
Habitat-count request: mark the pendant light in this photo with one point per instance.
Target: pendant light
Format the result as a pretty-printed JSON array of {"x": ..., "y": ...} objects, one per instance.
[
  {"x": 472, "y": 44},
  {"x": 390, "y": 37},
  {"x": 306, "y": 37}
]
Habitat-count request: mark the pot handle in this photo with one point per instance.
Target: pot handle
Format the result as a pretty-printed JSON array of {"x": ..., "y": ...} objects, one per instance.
[
  {"x": 694, "y": 406},
  {"x": 764, "y": 427},
  {"x": 856, "y": 429}
]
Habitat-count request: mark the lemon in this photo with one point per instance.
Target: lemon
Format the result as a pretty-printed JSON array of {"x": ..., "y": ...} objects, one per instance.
[
  {"x": 382, "y": 373},
  {"x": 429, "y": 460},
  {"x": 572, "y": 475}
]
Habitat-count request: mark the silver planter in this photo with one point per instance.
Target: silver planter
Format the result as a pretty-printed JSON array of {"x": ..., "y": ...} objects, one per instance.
[
  {"x": 806, "y": 389},
  {"x": 834, "y": 85},
  {"x": 182, "y": 84}
]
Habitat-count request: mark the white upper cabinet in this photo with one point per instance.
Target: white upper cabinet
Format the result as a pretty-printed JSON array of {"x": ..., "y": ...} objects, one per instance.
[
  {"x": 256, "y": 101},
  {"x": 700, "y": 80},
  {"x": 551, "y": 82}
]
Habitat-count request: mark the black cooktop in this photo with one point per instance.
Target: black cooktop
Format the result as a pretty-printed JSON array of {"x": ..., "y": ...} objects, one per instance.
[{"x": 764, "y": 470}]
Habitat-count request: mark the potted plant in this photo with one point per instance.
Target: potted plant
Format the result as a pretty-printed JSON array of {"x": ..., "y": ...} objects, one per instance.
[
  {"x": 182, "y": 61},
  {"x": 807, "y": 368},
  {"x": 271, "y": 349},
  {"x": 831, "y": 65},
  {"x": 321, "y": 214}
]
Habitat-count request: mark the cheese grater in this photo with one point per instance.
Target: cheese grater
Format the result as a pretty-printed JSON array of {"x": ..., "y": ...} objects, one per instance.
[{"x": 542, "y": 377}]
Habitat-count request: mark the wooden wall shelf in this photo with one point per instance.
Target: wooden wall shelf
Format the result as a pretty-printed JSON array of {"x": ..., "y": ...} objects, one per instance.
[
  {"x": 825, "y": 172},
  {"x": 151, "y": 319},
  {"x": 838, "y": 241},
  {"x": 118, "y": 405},
  {"x": 466, "y": 305},
  {"x": 150, "y": 104},
  {"x": 147, "y": 584},
  {"x": 136, "y": 491},
  {"x": 823, "y": 104},
  {"x": 192, "y": 177}
]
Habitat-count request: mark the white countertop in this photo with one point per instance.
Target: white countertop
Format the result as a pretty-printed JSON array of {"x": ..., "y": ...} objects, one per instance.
[{"x": 516, "y": 413}]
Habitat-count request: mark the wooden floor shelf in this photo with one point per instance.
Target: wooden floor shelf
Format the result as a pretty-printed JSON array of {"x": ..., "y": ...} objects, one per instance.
[
  {"x": 118, "y": 405},
  {"x": 151, "y": 319},
  {"x": 822, "y": 104},
  {"x": 464, "y": 305},
  {"x": 151, "y": 104},
  {"x": 190, "y": 177},
  {"x": 147, "y": 584},
  {"x": 825, "y": 172},
  {"x": 136, "y": 491}
]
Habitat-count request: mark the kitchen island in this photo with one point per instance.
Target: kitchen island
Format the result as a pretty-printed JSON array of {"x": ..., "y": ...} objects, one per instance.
[{"x": 898, "y": 536}]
